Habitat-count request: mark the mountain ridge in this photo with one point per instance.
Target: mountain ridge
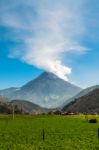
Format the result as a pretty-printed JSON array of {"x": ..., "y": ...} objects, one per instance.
[
  {"x": 88, "y": 103},
  {"x": 80, "y": 94},
  {"x": 47, "y": 90}
]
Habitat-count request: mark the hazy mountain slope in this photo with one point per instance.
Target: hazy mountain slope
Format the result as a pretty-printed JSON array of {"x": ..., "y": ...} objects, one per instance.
[
  {"x": 7, "y": 92},
  {"x": 80, "y": 94},
  {"x": 3, "y": 99},
  {"x": 88, "y": 103},
  {"x": 47, "y": 90}
]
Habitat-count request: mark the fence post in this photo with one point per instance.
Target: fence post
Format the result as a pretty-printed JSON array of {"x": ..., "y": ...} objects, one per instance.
[
  {"x": 13, "y": 111},
  {"x": 43, "y": 134}
]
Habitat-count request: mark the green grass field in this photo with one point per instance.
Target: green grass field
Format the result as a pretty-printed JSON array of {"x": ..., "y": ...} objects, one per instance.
[{"x": 61, "y": 133}]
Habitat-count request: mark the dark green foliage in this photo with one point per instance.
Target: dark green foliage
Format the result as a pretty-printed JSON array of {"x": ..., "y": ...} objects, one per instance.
[{"x": 93, "y": 121}]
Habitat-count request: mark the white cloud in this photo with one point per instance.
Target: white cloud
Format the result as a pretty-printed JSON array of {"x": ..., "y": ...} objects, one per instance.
[{"x": 51, "y": 27}]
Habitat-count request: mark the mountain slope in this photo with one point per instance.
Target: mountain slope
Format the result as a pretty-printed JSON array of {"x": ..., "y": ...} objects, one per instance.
[
  {"x": 80, "y": 94},
  {"x": 7, "y": 92},
  {"x": 47, "y": 90},
  {"x": 88, "y": 103},
  {"x": 3, "y": 99}
]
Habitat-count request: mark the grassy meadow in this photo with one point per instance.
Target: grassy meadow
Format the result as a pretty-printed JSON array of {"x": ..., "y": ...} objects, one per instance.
[{"x": 60, "y": 133}]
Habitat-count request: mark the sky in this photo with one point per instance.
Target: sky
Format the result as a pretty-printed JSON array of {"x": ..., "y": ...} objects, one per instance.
[{"x": 61, "y": 37}]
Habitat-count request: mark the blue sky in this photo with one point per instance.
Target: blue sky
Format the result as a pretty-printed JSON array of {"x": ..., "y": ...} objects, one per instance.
[{"x": 61, "y": 37}]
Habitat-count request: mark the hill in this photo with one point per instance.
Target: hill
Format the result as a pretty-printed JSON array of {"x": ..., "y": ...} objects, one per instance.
[
  {"x": 80, "y": 94},
  {"x": 28, "y": 107},
  {"x": 88, "y": 103},
  {"x": 21, "y": 107}
]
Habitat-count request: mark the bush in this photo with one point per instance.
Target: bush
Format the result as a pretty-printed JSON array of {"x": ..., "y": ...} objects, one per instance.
[{"x": 93, "y": 121}]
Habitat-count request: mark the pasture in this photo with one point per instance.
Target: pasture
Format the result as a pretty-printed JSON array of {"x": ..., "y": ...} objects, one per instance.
[{"x": 45, "y": 132}]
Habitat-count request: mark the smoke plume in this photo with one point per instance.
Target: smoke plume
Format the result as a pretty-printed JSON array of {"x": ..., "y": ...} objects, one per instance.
[{"x": 46, "y": 29}]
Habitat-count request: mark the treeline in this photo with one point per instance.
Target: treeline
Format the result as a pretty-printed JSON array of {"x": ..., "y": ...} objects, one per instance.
[{"x": 7, "y": 108}]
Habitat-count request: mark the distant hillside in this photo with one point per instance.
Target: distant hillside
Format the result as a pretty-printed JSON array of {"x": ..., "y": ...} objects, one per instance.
[
  {"x": 80, "y": 94},
  {"x": 88, "y": 103},
  {"x": 5, "y": 107},
  {"x": 3, "y": 99},
  {"x": 28, "y": 107},
  {"x": 7, "y": 92},
  {"x": 21, "y": 107},
  {"x": 47, "y": 90}
]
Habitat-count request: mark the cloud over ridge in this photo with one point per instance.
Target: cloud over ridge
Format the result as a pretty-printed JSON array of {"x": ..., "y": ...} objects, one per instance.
[{"x": 47, "y": 29}]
